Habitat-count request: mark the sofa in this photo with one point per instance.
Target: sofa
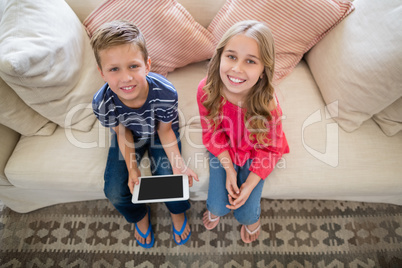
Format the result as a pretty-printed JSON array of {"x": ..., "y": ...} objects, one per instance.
[{"x": 338, "y": 82}]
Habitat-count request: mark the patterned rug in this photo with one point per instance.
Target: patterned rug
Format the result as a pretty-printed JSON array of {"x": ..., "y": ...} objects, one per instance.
[{"x": 294, "y": 234}]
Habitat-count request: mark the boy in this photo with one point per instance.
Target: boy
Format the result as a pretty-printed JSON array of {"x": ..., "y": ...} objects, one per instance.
[{"x": 141, "y": 108}]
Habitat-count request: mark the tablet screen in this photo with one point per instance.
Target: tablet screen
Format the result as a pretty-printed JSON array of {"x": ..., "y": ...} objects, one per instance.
[{"x": 161, "y": 188}]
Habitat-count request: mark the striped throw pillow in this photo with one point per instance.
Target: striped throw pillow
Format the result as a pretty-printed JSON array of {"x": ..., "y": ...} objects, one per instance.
[
  {"x": 297, "y": 25},
  {"x": 174, "y": 39}
]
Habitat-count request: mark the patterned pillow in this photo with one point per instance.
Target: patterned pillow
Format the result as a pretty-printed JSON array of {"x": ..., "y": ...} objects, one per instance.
[
  {"x": 296, "y": 25},
  {"x": 174, "y": 38}
]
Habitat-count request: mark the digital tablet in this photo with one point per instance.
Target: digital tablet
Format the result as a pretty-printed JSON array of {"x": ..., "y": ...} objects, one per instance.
[{"x": 166, "y": 188}]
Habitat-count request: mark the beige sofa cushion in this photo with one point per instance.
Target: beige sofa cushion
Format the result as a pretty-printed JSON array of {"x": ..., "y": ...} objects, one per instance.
[
  {"x": 358, "y": 64},
  {"x": 390, "y": 119},
  {"x": 15, "y": 114},
  {"x": 174, "y": 38},
  {"x": 203, "y": 11},
  {"x": 9, "y": 139},
  {"x": 325, "y": 162},
  {"x": 83, "y": 8},
  {"x": 2, "y": 7},
  {"x": 186, "y": 80},
  {"x": 52, "y": 69},
  {"x": 296, "y": 25},
  {"x": 71, "y": 159}
]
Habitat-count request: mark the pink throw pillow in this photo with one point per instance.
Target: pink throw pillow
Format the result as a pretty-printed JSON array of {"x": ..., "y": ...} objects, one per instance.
[
  {"x": 297, "y": 25},
  {"x": 174, "y": 39}
]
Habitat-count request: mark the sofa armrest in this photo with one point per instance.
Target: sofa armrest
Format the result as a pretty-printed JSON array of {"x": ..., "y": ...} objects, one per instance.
[{"x": 9, "y": 139}]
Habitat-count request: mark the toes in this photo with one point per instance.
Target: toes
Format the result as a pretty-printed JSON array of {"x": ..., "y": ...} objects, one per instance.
[
  {"x": 178, "y": 238},
  {"x": 185, "y": 233}
]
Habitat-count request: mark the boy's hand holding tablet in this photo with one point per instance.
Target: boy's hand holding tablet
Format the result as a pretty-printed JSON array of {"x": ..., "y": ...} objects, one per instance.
[{"x": 163, "y": 188}]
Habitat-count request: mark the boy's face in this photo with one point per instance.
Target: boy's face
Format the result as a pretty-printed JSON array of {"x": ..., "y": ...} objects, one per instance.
[{"x": 124, "y": 69}]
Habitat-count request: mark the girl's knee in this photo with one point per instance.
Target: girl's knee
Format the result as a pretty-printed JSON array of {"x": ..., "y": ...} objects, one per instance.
[{"x": 217, "y": 209}]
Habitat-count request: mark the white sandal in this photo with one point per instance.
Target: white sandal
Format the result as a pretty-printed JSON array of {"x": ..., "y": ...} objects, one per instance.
[
  {"x": 212, "y": 220},
  {"x": 252, "y": 232},
  {"x": 249, "y": 232}
]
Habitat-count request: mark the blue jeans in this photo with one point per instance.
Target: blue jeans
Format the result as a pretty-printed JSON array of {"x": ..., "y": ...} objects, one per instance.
[
  {"x": 116, "y": 177},
  {"x": 217, "y": 200}
]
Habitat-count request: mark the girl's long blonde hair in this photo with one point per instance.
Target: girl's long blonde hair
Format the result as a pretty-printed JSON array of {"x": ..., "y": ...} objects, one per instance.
[{"x": 258, "y": 99}]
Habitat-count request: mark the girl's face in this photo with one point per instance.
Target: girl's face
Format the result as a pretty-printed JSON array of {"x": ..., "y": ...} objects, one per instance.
[
  {"x": 124, "y": 69},
  {"x": 240, "y": 67}
]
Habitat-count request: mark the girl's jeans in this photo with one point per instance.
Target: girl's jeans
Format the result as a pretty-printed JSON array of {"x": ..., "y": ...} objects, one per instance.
[
  {"x": 116, "y": 177},
  {"x": 217, "y": 200}
]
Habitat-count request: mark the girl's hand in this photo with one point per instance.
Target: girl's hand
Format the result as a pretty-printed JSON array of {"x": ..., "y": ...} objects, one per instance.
[
  {"x": 231, "y": 183},
  {"x": 133, "y": 175},
  {"x": 245, "y": 190}
]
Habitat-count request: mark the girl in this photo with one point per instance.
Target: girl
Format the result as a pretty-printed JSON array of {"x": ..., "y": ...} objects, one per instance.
[{"x": 241, "y": 122}]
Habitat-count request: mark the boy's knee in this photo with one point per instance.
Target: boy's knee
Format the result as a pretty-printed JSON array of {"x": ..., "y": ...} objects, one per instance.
[{"x": 115, "y": 197}]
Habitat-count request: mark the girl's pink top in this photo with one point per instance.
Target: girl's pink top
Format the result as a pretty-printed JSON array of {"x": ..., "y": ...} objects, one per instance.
[{"x": 232, "y": 135}]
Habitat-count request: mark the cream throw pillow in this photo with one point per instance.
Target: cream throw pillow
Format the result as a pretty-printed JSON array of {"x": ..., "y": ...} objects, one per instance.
[
  {"x": 390, "y": 119},
  {"x": 15, "y": 114},
  {"x": 359, "y": 63},
  {"x": 45, "y": 56}
]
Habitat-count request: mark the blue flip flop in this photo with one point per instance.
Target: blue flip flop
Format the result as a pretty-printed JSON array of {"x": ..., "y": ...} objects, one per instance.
[
  {"x": 181, "y": 232},
  {"x": 150, "y": 245}
]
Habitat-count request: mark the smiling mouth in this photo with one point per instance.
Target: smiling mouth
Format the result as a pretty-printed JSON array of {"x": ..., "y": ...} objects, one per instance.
[
  {"x": 235, "y": 80},
  {"x": 129, "y": 88}
]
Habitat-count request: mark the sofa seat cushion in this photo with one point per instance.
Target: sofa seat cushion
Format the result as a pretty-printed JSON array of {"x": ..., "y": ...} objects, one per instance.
[
  {"x": 9, "y": 139},
  {"x": 68, "y": 160},
  {"x": 186, "y": 81},
  {"x": 326, "y": 162}
]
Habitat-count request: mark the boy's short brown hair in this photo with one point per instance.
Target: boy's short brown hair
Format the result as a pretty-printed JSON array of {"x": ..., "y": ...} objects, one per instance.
[{"x": 117, "y": 33}]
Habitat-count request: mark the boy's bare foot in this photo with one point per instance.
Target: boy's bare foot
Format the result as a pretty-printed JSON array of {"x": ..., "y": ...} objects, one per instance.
[
  {"x": 178, "y": 220},
  {"x": 143, "y": 225},
  {"x": 210, "y": 220},
  {"x": 250, "y": 232}
]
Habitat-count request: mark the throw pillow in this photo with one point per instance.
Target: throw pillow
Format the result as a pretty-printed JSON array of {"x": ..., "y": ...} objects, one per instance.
[
  {"x": 390, "y": 119},
  {"x": 174, "y": 38},
  {"x": 359, "y": 63},
  {"x": 15, "y": 114},
  {"x": 43, "y": 53},
  {"x": 296, "y": 25}
]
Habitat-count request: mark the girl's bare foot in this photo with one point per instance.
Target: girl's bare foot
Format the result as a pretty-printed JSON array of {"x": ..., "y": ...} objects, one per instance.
[
  {"x": 250, "y": 232},
  {"x": 210, "y": 221}
]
